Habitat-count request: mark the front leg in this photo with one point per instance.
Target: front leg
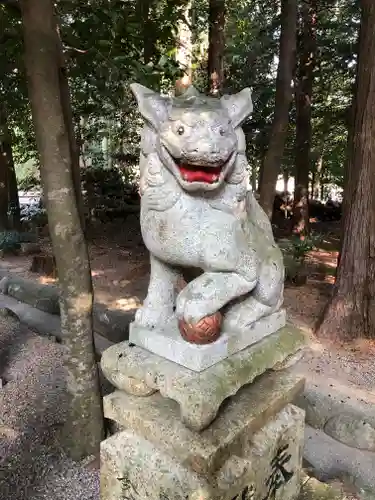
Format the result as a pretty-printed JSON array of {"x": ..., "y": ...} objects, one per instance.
[
  {"x": 158, "y": 307},
  {"x": 209, "y": 293},
  {"x": 231, "y": 271}
]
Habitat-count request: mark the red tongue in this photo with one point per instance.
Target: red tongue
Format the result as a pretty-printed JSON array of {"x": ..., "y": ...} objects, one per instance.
[{"x": 208, "y": 176}]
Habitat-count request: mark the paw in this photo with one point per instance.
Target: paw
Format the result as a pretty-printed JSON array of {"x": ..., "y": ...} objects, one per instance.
[{"x": 191, "y": 307}]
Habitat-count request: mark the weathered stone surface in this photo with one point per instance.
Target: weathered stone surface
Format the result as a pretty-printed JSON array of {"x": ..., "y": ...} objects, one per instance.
[
  {"x": 312, "y": 489},
  {"x": 199, "y": 394},
  {"x": 44, "y": 323},
  {"x": 267, "y": 465},
  {"x": 276, "y": 452},
  {"x": 169, "y": 344},
  {"x": 333, "y": 459},
  {"x": 197, "y": 212},
  {"x": 349, "y": 429},
  {"x": 111, "y": 323},
  {"x": 43, "y": 297},
  {"x": 345, "y": 413},
  {"x": 157, "y": 419},
  {"x": 30, "y": 248},
  {"x": 4, "y": 281},
  {"x": 132, "y": 468}
]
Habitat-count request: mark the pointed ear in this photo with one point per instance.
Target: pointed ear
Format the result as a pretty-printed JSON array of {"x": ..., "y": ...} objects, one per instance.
[
  {"x": 152, "y": 106},
  {"x": 239, "y": 106}
]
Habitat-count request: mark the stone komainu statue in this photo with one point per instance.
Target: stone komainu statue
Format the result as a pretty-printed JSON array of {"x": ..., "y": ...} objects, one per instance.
[{"x": 197, "y": 212}]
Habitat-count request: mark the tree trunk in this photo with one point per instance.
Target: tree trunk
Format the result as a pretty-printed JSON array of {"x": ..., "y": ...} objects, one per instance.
[
  {"x": 216, "y": 46},
  {"x": 148, "y": 30},
  {"x": 14, "y": 202},
  {"x": 6, "y": 150},
  {"x": 69, "y": 123},
  {"x": 350, "y": 313},
  {"x": 305, "y": 78},
  {"x": 84, "y": 426},
  {"x": 184, "y": 54},
  {"x": 317, "y": 178},
  {"x": 284, "y": 93},
  {"x": 286, "y": 181},
  {"x": 4, "y": 200}
]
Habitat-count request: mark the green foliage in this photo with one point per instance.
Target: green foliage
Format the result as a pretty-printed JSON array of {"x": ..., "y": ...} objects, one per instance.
[
  {"x": 110, "y": 44},
  {"x": 28, "y": 176},
  {"x": 297, "y": 249}
]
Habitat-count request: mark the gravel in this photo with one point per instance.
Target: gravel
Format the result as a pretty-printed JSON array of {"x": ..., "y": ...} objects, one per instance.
[{"x": 33, "y": 407}]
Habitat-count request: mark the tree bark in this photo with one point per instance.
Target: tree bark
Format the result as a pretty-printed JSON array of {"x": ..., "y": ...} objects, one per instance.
[
  {"x": 84, "y": 426},
  {"x": 6, "y": 150},
  {"x": 350, "y": 313},
  {"x": 69, "y": 123},
  {"x": 4, "y": 199},
  {"x": 148, "y": 29},
  {"x": 284, "y": 94},
  {"x": 316, "y": 183},
  {"x": 184, "y": 54},
  {"x": 286, "y": 181},
  {"x": 216, "y": 46},
  {"x": 304, "y": 90}
]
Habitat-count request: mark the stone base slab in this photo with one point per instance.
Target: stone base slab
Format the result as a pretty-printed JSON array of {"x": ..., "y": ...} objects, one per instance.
[
  {"x": 157, "y": 420},
  {"x": 199, "y": 395},
  {"x": 169, "y": 344},
  {"x": 262, "y": 465}
]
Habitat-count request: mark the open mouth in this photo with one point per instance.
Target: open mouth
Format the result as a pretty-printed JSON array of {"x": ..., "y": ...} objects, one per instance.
[{"x": 197, "y": 173}]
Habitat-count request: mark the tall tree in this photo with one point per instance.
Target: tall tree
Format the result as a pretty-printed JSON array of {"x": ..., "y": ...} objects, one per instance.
[
  {"x": 7, "y": 153},
  {"x": 69, "y": 123},
  {"x": 184, "y": 52},
  {"x": 84, "y": 427},
  {"x": 147, "y": 29},
  {"x": 304, "y": 89},
  {"x": 284, "y": 94},
  {"x": 351, "y": 311},
  {"x": 4, "y": 195},
  {"x": 216, "y": 46}
]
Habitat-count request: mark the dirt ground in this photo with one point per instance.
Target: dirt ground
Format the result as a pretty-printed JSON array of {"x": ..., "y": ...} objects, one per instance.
[{"x": 120, "y": 271}]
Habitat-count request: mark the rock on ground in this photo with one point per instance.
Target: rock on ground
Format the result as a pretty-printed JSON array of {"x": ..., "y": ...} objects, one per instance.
[{"x": 332, "y": 459}]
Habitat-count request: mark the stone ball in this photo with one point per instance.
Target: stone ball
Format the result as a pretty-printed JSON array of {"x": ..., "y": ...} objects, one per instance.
[{"x": 207, "y": 330}]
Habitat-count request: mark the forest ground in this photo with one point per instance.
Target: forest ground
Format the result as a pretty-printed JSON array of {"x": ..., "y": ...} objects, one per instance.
[{"x": 120, "y": 272}]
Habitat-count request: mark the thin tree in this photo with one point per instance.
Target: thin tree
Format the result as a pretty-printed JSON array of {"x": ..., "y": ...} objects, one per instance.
[
  {"x": 184, "y": 53},
  {"x": 216, "y": 46},
  {"x": 4, "y": 192},
  {"x": 284, "y": 94},
  {"x": 11, "y": 179},
  {"x": 84, "y": 427},
  {"x": 350, "y": 313},
  {"x": 304, "y": 90}
]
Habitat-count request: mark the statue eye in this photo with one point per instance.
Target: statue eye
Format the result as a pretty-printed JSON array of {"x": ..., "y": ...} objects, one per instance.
[
  {"x": 222, "y": 131},
  {"x": 180, "y": 130}
]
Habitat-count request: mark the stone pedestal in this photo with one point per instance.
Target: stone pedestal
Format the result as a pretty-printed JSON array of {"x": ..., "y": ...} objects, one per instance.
[
  {"x": 199, "y": 394},
  {"x": 253, "y": 450},
  {"x": 169, "y": 344},
  {"x": 229, "y": 432}
]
